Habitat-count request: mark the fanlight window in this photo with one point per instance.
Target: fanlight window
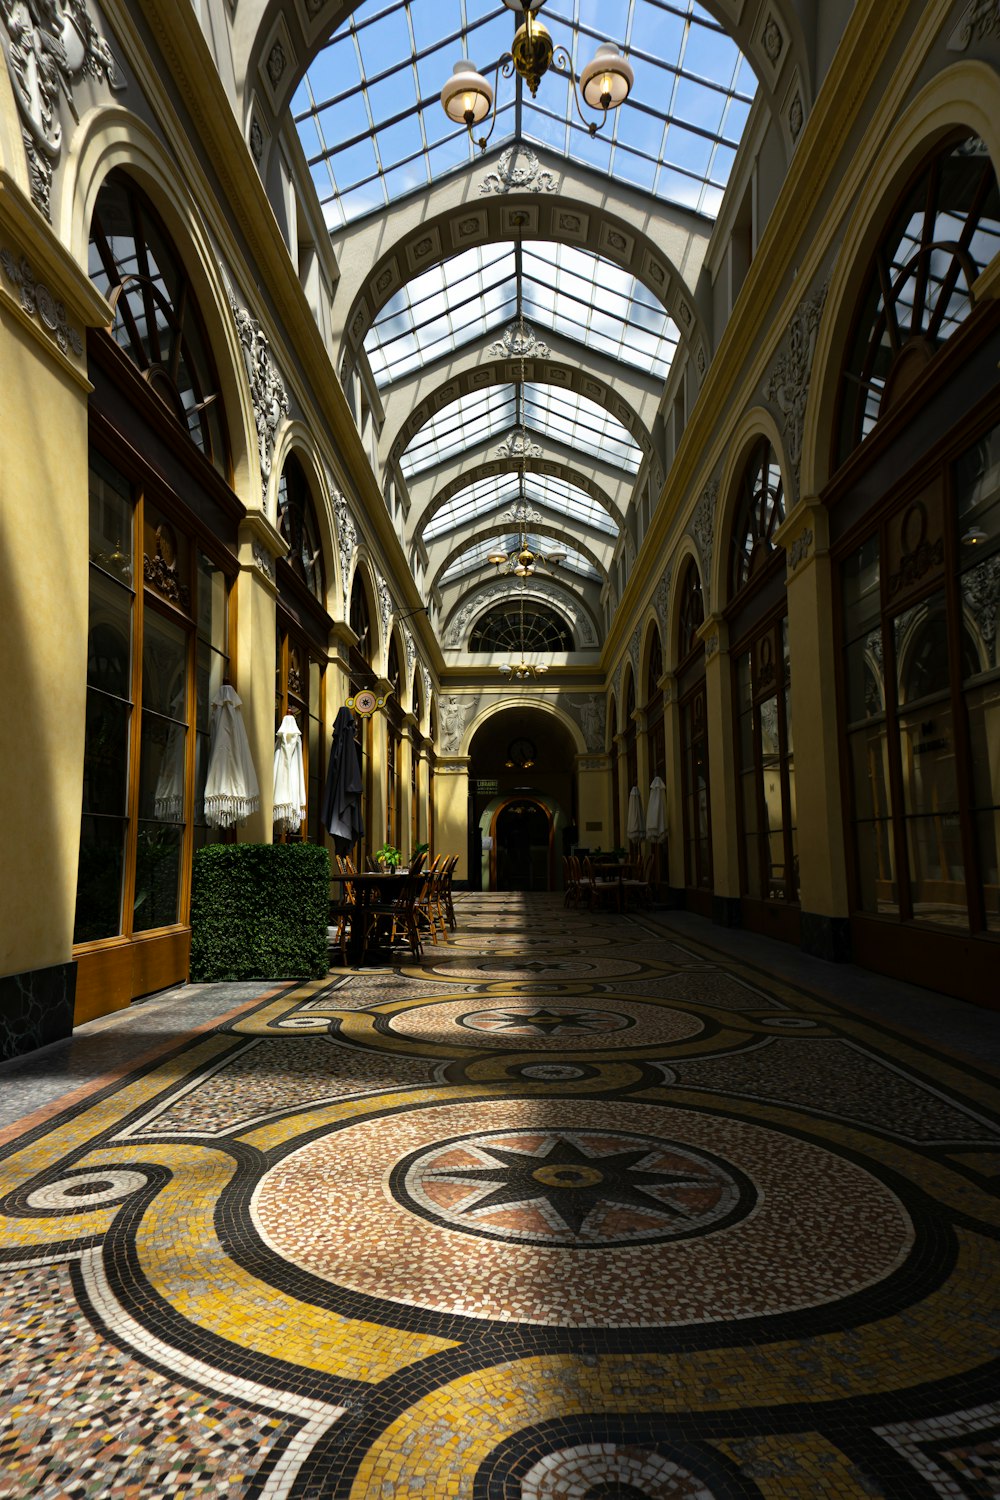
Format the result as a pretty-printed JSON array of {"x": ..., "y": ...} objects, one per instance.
[
  {"x": 297, "y": 524},
  {"x": 500, "y": 629},
  {"x": 760, "y": 512},
  {"x": 692, "y": 611},
  {"x": 156, "y": 322},
  {"x": 919, "y": 286}
]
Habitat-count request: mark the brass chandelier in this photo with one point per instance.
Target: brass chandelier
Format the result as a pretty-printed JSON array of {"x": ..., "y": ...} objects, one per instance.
[{"x": 604, "y": 83}]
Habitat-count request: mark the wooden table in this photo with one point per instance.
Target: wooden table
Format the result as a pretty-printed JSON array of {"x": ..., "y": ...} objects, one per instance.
[{"x": 365, "y": 882}]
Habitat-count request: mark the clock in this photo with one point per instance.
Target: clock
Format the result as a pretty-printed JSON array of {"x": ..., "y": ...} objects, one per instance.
[{"x": 364, "y": 703}]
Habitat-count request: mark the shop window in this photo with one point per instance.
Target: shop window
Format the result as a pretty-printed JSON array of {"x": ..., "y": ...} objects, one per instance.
[
  {"x": 760, "y": 511},
  {"x": 694, "y": 734},
  {"x": 156, "y": 321},
  {"x": 921, "y": 694},
  {"x": 157, "y": 653},
  {"x": 918, "y": 289},
  {"x": 692, "y": 612}
]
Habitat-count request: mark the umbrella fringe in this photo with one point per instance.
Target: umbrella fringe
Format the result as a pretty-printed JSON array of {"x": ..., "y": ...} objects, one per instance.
[{"x": 221, "y": 811}]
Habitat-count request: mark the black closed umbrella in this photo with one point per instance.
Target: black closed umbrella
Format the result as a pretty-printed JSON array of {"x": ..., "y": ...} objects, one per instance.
[{"x": 341, "y": 811}]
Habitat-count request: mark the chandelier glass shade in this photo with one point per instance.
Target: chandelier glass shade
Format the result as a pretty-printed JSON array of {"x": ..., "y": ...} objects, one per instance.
[{"x": 605, "y": 82}]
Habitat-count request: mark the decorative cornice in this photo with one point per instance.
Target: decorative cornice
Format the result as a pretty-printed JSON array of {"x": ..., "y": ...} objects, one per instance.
[
  {"x": 518, "y": 170},
  {"x": 267, "y": 389},
  {"x": 38, "y": 302},
  {"x": 49, "y": 49}
]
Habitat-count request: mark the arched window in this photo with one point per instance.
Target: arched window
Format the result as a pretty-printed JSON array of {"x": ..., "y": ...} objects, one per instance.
[
  {"x": 297, "y": 524},
  {"x": 500, "y": 629},
  {"x": 918, "y": 289},
  {"x": 692, "y": 611},
  {"x": 759, "y": 513},
  {"x": 133, "y": 262}
]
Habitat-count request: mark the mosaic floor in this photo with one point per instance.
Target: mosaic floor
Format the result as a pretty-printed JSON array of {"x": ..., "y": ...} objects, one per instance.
[{"x": 573, "y": 1210}]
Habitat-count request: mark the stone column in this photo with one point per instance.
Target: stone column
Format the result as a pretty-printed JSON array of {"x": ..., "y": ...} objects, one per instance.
[
  {"x": 805, "y": 535},
  {"x": 256, "y": 605},
  {"x": 451, "y": 810}
]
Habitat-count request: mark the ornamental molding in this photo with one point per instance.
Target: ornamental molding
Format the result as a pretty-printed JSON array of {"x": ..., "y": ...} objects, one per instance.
[
  {"x": 702, "y": 529},
  {"x": 161, "y": 571},
  {"x": 662, "y": 599},
  {"x": 592, "y": 715},
  {"x": 386, "y": 608},
  {"x": 50, "y": 47},
  {"x": 595, "y": 763},
  {"x": 980, "y": 596},
  {"x": 981, "y": 20},
  {"x": 518, "y": 170},
  {"x": 267, "y": 389},
  {"x": 410, "y": 646},
  {"x": 633, "y": 651},
  {"x": 347, "y": 536},
  {"x": 426, "y": 675},
  {"x": 788, "y": 384},
  {"x": 518, "y": 342},
  {"x": 38, "y": 302},
  {"x": 521, "y": 513},
  {"x": 517, "y": 445},
  {"x": 711, "y": 646}
]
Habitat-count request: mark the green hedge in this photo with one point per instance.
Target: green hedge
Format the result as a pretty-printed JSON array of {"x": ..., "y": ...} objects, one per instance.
[{"x": 259, "y": 911}]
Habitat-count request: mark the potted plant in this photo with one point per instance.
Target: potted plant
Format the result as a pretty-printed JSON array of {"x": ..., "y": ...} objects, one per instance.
[{"x": 388, "y": 857}]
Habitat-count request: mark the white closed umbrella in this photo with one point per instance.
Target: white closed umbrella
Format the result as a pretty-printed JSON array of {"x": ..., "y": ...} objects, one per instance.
[
  {"x": 636, "y": 825},
  {"x": 289, "y": 776},
  {"x": 231, "y": 789},
  {"x": 656, "y": 812}
]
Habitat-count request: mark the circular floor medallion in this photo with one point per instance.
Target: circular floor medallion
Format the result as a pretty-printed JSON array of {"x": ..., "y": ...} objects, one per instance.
[
  {"x": 576, "y": 1188},
  {"x": 598, "y": 1471},
  {"x": 94, "y": 1189},
  {"x": 592, "y": 1241},
  {"x": 518, "y": 1024},
  {"x": 544, "y": 1020}
]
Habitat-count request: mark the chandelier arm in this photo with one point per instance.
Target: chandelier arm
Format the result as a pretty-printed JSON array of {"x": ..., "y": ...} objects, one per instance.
[
  {"x": 563, "y": 63},
  {"x": 505, "y": 66}
]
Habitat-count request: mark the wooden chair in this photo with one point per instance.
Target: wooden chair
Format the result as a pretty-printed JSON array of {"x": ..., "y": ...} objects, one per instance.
[
  {"x": 429, "y": 908},
  {"x": 397, "y": 914},
  {"x": 340, "y": 914},
  {"x": 571, "y": 880},
  {"x": 600, "y": 893},
  {"x": 447, "y": 900}
]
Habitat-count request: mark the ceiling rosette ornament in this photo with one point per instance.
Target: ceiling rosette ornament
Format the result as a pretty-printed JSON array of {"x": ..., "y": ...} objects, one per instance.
[
  {"x": 50, "y": 46},
  {"x": 267, "y": 389},
  {"x": 517, "y": 445},
  {"x": 518, "y": 170}
]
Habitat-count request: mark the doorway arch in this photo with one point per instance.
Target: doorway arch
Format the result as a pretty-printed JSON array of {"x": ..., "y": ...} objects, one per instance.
[{"x": 538, "y": 852}]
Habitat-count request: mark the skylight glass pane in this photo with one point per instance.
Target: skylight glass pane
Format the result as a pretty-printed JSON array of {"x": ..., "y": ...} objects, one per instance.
[
  {"x": 579, "y": 423},
  {"x": 462, "y": 424},
  {"x": 474, "y": 558},
  {"x": 378, "y": 81},
  {"x": 557, "y": 499}
]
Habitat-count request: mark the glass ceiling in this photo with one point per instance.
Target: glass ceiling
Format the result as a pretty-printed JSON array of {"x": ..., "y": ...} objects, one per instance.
[
  {"x": 474, "y": 558},
  {"x": 485, "y": 497},
  {"x": 565, "y": 291},
  {"x": 549, "y": 412},
  {"x": 370, "y": 120}
]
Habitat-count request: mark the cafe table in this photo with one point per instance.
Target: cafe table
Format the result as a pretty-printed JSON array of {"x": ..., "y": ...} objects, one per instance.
[{"x": 369, "y": 887}]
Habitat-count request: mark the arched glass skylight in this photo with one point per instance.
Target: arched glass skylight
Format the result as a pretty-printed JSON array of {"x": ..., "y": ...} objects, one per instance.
[
  {"x": 566, "y": 292},
  {"x": 579, "y": 423},
  {"x": 461, "y": 424},
  {"x": 473, "y": 558},
  {"x": 487, "y": 497},
  {"x": 371, "y": 124}
]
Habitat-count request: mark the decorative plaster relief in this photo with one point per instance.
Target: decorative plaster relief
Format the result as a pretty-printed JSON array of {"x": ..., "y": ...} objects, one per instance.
[
  {"x": 519, "y": 171},
  {"x": 702, "y": 528},
  {"x": 800, "y": 549},
  {"x": 981, "y": 20},
  {"x": 455, "y": 714},
  {"x": 38, "y": 302},
  {"x": 518, "y": 344},
  {"x": 411, "y": 651},
  {"x": 633, "y": 652},
  {"x": 663, "y": 600},
  {"x": 773, "y": 40},
  {"x": 516, "y": 445},
  {"x": 711, "y": 646},
  {"x": 788, "y": 386},
  {"x": 796, "y": 117},
  {"x": 426, "y": 675},
  {"x": 347, "y": 535},
  {"x": 267, "y": 389},
  {"x": 592, "y": 714},
  {"x": 386, "y": 607},
  {"x": 263, "y": 559},
  {"x": 50, "y": 47},
  {"x": 256, "y": 140}
]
